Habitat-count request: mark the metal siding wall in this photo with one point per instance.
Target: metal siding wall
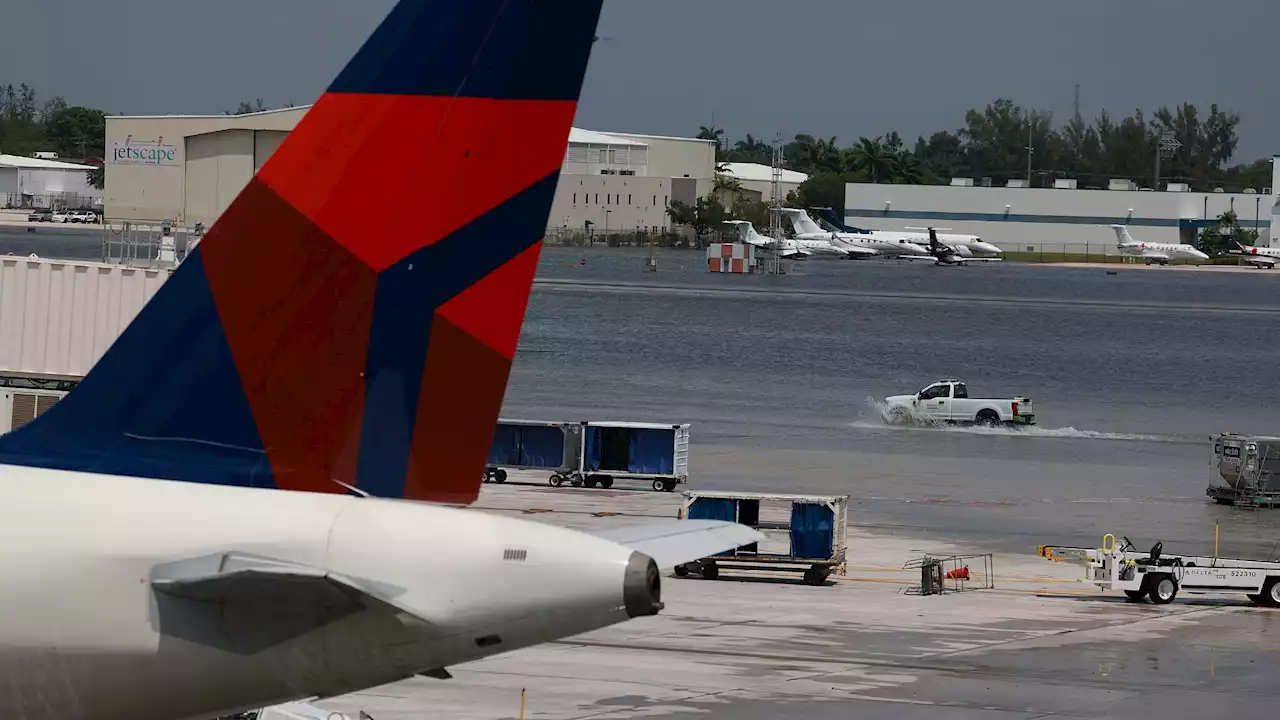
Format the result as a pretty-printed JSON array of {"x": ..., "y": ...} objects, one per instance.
[
  {"x": 265, "y": 143},
  {"x": 218, "y": 167},
  {"x": 8, "y": 180},
  {"x": 58, "y": 318}
]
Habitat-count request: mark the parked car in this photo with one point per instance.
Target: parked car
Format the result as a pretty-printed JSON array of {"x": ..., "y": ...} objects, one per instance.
[
  {"x": 82, "y": 216},
  {"x": 40, "y": 215},
  {"x": 60, "y": 216}
]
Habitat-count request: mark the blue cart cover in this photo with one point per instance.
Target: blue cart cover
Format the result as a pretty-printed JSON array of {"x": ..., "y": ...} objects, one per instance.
[
  {"x": 812, "y": 531},
  {"x": 592, "y": 440},
  {"x": 652, "y": 451},
  {"x": 714, "y": 509},
  {"x": 527, "y": 446}
]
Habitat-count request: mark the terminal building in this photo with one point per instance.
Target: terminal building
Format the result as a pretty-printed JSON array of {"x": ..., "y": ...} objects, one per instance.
[
  {"x": 1062, "y": 218},
  {"x": 188, "y": 168}
]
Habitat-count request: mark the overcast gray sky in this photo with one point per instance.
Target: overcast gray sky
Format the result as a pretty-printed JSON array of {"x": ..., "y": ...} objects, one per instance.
[{"x": 828, "y": 67}]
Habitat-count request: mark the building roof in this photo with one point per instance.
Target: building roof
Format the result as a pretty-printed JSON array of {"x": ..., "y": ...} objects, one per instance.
[
  {"x": 663, "y": 137},
  {"x": 760, "y": 173},
  {"x": 591, "y": 137},
  {"x": 30, "y": 163},
  {"x": 210, "y": 115}
]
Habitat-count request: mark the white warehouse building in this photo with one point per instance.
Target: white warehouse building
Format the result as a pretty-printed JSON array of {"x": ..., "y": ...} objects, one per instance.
[
  {"x": 188, "y": 169},
  {"x": 39, "y": 182},
  {"x": 1063, "y": 218}
]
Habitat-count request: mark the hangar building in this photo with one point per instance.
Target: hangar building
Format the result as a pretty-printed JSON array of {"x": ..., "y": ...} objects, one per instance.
[
  {"x": 37, "y": 182},
  {"x": 188, "y": 168},
  {"x": 1063, "y": 218}
]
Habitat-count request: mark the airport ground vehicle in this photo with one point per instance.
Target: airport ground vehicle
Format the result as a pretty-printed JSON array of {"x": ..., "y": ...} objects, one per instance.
[
  {"x": 592, "y": 453},
  {"x": 1158, "y": 576},
  {"x": 949, "y": 401}
]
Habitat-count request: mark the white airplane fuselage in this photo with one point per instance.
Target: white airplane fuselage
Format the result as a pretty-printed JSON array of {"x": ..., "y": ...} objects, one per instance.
[
  {"x": 1161, "y": 252},
  {"x": 1262, "y": 257},
  {"x": 87, "y": 635},
  {"x": 821, "y": 242}
]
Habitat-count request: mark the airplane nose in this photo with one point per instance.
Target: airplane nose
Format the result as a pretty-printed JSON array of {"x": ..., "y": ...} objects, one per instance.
[
  {"x": 987, "y": 247},
  {"x": 642, "y": 586}
]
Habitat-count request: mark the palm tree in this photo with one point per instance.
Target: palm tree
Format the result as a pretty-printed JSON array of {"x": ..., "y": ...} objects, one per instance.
[
  {"x": 873, "y": 158},
  {"x": 711, "y": 132},
  {"x": 905, "y": 168}
]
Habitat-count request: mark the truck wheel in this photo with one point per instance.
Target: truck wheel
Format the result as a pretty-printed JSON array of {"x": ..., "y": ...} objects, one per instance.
[
  {"x": 682, "y": 571},
  {"x": 668, "y": 485},
  {"x": 987, "y": 418},
  {"x": 1255, "y": 599},
  {"x": 658, "y": 485},
  {"x": 575, "y": 480},
  {"x": 1136, "y": 595},
  {"x": 1163, "y": 589},
  {"x": 589, "y": 482},
  {"x": 899, "y": 416},
  {"x": 1271, "y": 592},
  {"x": 815, "y": 576}
]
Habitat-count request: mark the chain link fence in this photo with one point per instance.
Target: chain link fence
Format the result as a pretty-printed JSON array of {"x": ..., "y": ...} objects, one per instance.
[{"x": 60, "y": 201}]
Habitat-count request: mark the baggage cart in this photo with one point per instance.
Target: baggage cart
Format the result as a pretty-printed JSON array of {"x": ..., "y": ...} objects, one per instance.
[
  {"x": 804, "y": 533},
  {"x": 536, "y": 445},
  {"x": 655, "y": 452}
]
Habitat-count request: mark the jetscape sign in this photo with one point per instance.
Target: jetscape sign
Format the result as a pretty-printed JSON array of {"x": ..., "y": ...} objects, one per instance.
[{"x": 143, "y": 152}]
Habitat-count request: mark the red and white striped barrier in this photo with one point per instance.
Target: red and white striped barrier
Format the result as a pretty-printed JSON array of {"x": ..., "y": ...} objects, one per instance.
[{"x": 731, "y": 258}]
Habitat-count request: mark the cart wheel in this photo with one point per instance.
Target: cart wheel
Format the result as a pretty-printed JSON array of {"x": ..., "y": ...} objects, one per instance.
[
  {"x": 668, "y": 485},
  {"x": 658, "y": 485},
  {"x": 815, "y": 576},
  {"x": 500, "y": 475},
  {"x": 556, "y": 480},
  {"x": 575, "y": 480},
  {"x": 1163, "y": 589},
  {"x": 590, "y": 482},
  {"x": 1136, "y": 595},
  {"x": 606, "y": 483},
  {"x": 710, "y": 571},
  {"x": 682, "y": 571}
]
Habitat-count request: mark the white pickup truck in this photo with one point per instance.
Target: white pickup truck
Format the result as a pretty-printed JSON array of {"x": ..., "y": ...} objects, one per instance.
[{"x": 949, "y": 401}]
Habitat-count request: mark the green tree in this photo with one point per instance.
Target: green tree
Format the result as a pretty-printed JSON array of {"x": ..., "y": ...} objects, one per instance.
[
  {"x": 704, "y": 216},
  {"x": 1221, "y": 239},
  {"x": 823, "y": 189},
  {"x": 77, "y": 132}
]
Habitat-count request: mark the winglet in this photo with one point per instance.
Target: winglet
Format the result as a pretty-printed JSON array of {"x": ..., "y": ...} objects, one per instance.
[{"x": 306, "y": 340}]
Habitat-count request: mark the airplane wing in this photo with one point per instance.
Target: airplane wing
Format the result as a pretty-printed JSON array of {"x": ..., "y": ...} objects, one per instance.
[
  {"x": 674, "y": 542},
  {"x": 930, "y": 258},
  {"x": 981, "y": 259},
  {"x": 1153, "y": 255},
  {"x": 1259, "y": 259}
]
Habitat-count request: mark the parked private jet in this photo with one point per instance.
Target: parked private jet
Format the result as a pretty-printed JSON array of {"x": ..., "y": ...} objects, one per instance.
[
  {"x": 783, "y": 247},
  {"x": 1160, "y": 253},
  {"x": 1263, "y": 258},
  {"x": 240, "y": 505},
  {"x": 963, "y": 245},
  {"x": 806, "y": 229},
  {"x": 943, "y": 254}
]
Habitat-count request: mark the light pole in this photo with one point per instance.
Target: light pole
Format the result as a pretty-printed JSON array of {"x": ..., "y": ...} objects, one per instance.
[{"x": 1165, "y": 148}]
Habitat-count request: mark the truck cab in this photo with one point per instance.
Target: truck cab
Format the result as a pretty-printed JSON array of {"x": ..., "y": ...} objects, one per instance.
[{"x": 949, "y": 401}]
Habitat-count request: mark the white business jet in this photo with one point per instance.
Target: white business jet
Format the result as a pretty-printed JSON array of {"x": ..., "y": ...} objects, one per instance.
[
  {"x": 963, "y": 245},
  {"x": 1160, "y": 253},
  {"x": 1263, "y": 258},
  {"x": 943, "y": 254},
  {"x": 782, "y": 247},
  {"x": 246, "y": 501},
  {"x": 860, "y": 245}
]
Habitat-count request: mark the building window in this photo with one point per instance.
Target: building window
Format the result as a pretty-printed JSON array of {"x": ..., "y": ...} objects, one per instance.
[
  {"x": 655, "y": 201},
  {"x": 664, "y": 201},
  {"x": 608, "y": 199},
  {"x": 575, "y": 198},
  {"x": 628, "y": 198},
  {"x": 597, "y": 198}
]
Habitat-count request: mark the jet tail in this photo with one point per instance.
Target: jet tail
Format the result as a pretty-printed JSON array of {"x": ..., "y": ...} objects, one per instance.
[
  {"x": 306, "y": 345},
  {"x": 1122, "y": 235},
  {"x": 802, "y": 223}
]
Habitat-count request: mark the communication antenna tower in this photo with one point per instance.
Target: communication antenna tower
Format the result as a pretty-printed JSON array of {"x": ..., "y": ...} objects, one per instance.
[{"x": 775, "y": 210}]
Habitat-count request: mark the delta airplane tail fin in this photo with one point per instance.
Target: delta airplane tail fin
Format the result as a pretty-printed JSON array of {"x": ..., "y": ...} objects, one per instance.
[
  {"x": 306, "y": 343},
  {"x": 1122, "y": 235}
]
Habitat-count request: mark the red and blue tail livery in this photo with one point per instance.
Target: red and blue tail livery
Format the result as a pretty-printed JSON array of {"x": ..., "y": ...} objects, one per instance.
[{"x": 306, "y": 344}]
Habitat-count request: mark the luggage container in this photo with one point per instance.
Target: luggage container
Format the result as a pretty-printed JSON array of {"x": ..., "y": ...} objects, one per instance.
[
  {"x": 536, "y": 445},
  {"x": 639, "y": 451},
  {"x": 804, "y": 533},
  {"x": 1249, "y": 470}
]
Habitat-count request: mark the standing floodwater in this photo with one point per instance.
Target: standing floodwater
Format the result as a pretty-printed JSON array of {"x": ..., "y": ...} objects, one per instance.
[{"x": 1131, "y": 373}]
